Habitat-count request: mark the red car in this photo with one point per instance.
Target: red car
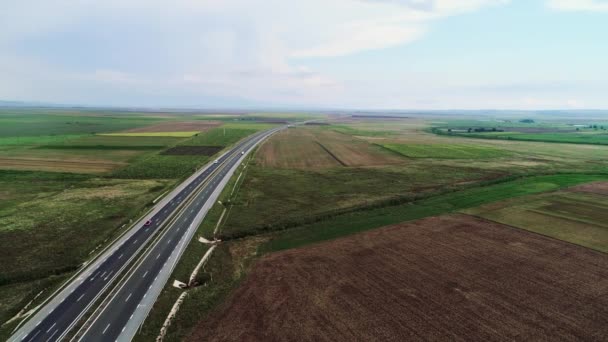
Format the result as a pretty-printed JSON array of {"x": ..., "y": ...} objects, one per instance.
[{"x": 148, "y": 223}]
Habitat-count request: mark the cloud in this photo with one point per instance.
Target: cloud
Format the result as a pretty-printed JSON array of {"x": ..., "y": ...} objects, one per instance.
[
  {"x": 579, "y": 5},
  {"x": 73, "y": 51}
]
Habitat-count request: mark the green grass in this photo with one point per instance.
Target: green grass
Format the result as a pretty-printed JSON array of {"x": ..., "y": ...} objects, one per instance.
[
  {"x": 350, "y": 130},
  {"x": 15, "y": 123},
  {"x": 570, "y": 138},
  {"x": 272, "y": 199},
  {"x": 113, "y": 142},
  {"x": 152, "y": 134},
  {"x": 37, "y": 140},
  {"x": 446, "y": 151},
  {"x": 50, "y": 222},
  {"x": 580, "y": 218},
  {"x": 364, "y": 220}
]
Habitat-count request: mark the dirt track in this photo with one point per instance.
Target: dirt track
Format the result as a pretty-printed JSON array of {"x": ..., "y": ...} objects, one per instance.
[{"x": 448, "y": 278}]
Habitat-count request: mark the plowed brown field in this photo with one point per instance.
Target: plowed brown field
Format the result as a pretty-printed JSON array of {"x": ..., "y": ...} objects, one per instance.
[
  {"x": 450, "y": 278},
  {"x": 315, "y": 148}
]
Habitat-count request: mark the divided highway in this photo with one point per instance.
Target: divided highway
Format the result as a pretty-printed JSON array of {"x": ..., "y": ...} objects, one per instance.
[{"x": 179, "y": 213}]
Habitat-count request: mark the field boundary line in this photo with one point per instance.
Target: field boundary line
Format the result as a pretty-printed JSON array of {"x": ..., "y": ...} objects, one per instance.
[{"x": 331, "y": 154}]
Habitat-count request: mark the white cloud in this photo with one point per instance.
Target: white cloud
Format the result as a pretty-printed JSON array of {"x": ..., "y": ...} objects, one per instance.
[
  {"x": 579, "y": 5},
  {"x": 257, "y": 50}
]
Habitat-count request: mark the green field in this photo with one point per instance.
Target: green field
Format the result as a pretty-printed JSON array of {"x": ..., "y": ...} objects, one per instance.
[
  {"x": 570, "y": 138},
  {"x": 446, "y": 151},
  {"x": 360, "y": 221},
  {"x": 152, "y": 134},
  {"x": 263, "y": 205},
  {"x": 19, "y": 124},
  {"x": 580, "y": 218},
  {"x": 156, "y": 165}
]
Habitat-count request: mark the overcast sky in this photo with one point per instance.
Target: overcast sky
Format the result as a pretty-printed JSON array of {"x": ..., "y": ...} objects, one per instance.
[{"x": 399, "y": 54}]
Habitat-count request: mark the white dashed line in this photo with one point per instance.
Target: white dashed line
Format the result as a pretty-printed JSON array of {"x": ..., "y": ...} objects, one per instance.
[
  {"x": 129, "y": 296},
  {"x": 104, "y": 330}
]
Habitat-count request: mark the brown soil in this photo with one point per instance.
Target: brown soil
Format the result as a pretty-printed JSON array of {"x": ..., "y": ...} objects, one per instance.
[
  {"x": 193, "y": 150},
  {"x": 183, "y": 126},
  {"x": 600, "y": 188},
  {"x": 314, "y": 148},
  {"x": 450, "y": 278},
  {"x": 55, "y": 165},
  {"x": 294, "y": 148}
]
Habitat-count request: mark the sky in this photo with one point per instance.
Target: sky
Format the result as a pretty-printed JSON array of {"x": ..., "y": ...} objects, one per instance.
[{"x": 341, "y": 54}]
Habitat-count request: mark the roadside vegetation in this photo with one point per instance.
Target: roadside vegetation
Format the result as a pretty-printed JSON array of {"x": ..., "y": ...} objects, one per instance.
[{"x": 71, "y": 181}]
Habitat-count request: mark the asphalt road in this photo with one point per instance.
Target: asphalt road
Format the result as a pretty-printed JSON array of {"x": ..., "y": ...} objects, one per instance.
[{"x": 61, "y": 318}]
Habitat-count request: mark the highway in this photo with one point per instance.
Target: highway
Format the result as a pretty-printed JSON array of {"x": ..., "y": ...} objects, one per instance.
[{"x": 179, "y": 214}]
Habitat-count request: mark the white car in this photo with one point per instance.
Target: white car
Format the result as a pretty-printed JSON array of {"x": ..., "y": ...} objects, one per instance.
[
  {"x": 215, "y": 161},
  {"x": 242, "y": 152}
]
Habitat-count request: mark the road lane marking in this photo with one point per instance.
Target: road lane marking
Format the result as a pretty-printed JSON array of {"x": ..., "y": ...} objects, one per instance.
[
  {"x": 158, "y": 256},
  {"x": 53, "y": 334},
  {"x": 79, "y": 298},
  {"x": 104, "y": 330},
  {"x": 145, "y": 274},
  {"x": 36, "y": 334},
  {"x": 120, "y": 256},
  {"x": 52, "y": 326},
  {"x": 129, "y": 296}
]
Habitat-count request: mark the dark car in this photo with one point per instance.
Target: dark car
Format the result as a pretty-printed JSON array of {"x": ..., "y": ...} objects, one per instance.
[{"x": 148, "y": 223}]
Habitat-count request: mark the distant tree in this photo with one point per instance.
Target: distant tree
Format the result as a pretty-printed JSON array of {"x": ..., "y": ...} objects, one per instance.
[
  {"x": 469, "y": 130},
  {"x": 578, "y": 129},
  {"x": 594, "y": 126},
  {"x": 450, "y": 130},
  {"x": 493, "y": 129},
  {"x": 526, "y": 121}
]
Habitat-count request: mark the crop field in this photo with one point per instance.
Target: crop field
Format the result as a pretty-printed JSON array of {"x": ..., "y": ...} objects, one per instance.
[
  {"x": 19, "y": 124},
  {"x": 571, "y": 138},
  {"x": 114, "y": 142},
  {"x": 294, "y": 148},
  {"x": 77, "y": 165},
  {"x": 309, "y": 148},
  {"x": 193, "y": 150},
  {"x": 437, "y": 204},
  {"x": 446, "y": 151},
  {"x": 303, "y": 194},
  {"x": 171, "y": 165},
  {"x": 78, "y": 154},
  {"x": 444, "y": 278},
  {"x": 573, "y": 216},
  {"x": 600, "y": 188},
  {"x": 180, "y": 126},
  {"x": 180, "y": 134}
]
